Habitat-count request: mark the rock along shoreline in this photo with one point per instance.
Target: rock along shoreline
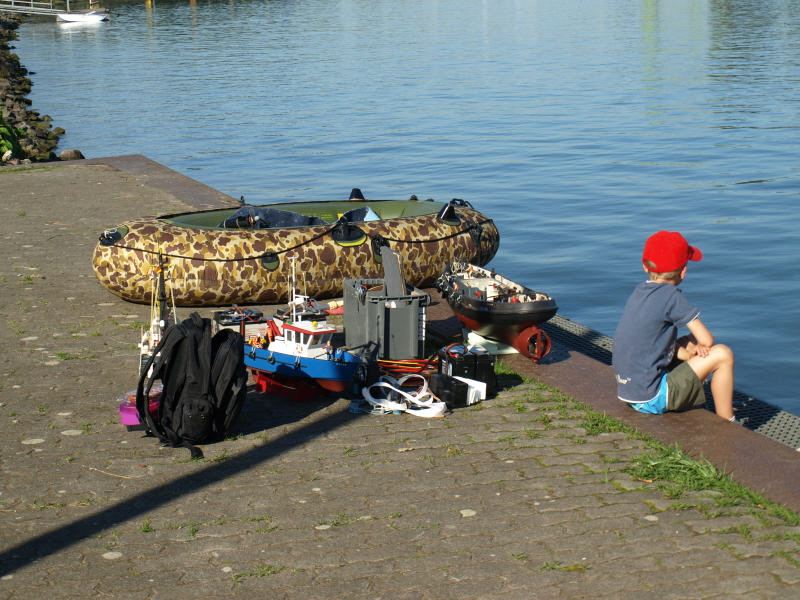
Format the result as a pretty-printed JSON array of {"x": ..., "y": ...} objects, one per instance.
[{"x": 40, "y": 138}]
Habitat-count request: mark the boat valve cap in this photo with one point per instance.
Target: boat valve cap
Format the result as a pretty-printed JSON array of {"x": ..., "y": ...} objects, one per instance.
[
  {"x": 270, "y": 261},
  {"x": 110, "y": 237}
]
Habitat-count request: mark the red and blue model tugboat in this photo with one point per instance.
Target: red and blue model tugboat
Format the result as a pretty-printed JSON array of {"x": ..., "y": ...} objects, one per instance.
[
  {"x": 497, "y": 308},
  {"x": 297, "y": 350}
]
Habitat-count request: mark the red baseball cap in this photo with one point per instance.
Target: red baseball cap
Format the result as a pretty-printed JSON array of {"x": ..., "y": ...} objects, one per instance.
[{"x": 669, "y": 251}]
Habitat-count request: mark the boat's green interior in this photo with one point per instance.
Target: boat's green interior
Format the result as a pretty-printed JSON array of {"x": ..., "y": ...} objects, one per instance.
[{"x": 328, "y": 211}]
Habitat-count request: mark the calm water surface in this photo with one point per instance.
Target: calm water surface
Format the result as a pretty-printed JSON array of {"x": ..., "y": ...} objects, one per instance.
[{"x": 580, "y": 127}]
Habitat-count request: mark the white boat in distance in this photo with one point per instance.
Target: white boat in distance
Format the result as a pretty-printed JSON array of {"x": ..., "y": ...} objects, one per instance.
[{"x": 84, "y": 16}]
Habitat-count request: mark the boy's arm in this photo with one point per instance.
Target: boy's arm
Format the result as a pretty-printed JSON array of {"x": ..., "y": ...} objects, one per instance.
[{"x": 697, "y": 344}]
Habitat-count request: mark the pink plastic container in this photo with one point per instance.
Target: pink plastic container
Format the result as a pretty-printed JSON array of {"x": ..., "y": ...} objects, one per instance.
[{"x": 127, "y": 407}]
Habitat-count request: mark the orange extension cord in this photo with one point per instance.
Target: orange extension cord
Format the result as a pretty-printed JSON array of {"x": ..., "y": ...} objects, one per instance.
[{"x": 422, "y": 366}]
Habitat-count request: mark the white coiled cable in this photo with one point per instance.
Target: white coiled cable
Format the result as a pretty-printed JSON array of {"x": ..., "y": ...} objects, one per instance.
[{"x": 386, "y": 395}]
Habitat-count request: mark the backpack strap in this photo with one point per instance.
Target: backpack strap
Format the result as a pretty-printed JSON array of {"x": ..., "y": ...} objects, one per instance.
[
  {"x": 228, "y": 378},
  {"x": 201, "y": 329},
  {"x": 195, "y": 382},
  {"x": 157, "y": 360},
  {"x": 204, "y": 351}
]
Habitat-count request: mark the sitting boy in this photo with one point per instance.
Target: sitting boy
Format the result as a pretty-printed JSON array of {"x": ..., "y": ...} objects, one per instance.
[{"x": 656, "y": 370}]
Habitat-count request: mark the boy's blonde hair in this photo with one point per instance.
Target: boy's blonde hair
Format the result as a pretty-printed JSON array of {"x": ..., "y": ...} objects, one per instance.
[{"x": 671, "y": 276}]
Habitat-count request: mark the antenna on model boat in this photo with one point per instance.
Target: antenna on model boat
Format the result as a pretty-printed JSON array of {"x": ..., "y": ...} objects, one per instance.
[
  {"x": 292, "y": 291},
  {"x": 163, "y": 315},
  {"x": 167, "y": 315}
]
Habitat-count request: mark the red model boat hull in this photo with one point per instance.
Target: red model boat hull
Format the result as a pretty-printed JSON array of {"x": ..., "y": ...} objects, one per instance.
[{"x": 497, "y": 308}]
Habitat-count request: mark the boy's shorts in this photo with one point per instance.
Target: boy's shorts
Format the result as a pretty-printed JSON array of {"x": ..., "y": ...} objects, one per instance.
[
  {"x": 680, "y": 389},
  {"x": 685, "y": 390}
]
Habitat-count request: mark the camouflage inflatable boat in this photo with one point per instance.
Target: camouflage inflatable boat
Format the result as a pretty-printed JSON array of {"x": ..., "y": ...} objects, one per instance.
[{"x": 231, "y": 256}]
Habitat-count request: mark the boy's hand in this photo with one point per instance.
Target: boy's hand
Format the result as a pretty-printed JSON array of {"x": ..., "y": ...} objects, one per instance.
[
  {"x": 687, "y": 348},
  {"x": 698, "y": 350}
]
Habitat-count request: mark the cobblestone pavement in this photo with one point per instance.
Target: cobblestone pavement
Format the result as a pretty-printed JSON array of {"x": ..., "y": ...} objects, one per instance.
[{"x": 513, "y": 498}]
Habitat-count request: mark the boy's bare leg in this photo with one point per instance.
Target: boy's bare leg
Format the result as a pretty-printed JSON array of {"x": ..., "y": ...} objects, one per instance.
[{"x": 719, "y": 364}]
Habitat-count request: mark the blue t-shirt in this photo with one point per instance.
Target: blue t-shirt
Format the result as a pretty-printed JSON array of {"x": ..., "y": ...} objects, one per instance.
[{"x": 644, "y": 343}]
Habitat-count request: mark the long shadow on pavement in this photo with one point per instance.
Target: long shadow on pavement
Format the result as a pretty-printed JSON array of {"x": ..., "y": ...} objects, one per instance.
[{"x": 58, "y": 539}]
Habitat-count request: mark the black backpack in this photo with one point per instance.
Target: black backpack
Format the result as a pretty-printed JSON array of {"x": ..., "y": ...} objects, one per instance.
[{"x": 204, "y": 384}]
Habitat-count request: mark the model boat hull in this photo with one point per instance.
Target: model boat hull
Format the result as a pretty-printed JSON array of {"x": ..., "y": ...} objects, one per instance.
[
  {"x": 208, "y": 265},
  {"x": 497, "y": 308},
  {"x": 333, "y": 375}
]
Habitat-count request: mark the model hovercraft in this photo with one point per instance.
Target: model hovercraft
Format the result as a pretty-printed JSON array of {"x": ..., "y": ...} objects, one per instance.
[{"x": 497, "y": 308}]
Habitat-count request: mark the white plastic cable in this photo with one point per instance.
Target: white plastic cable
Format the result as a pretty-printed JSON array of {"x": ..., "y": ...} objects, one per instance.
[{"x": 421, "y": 404}]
